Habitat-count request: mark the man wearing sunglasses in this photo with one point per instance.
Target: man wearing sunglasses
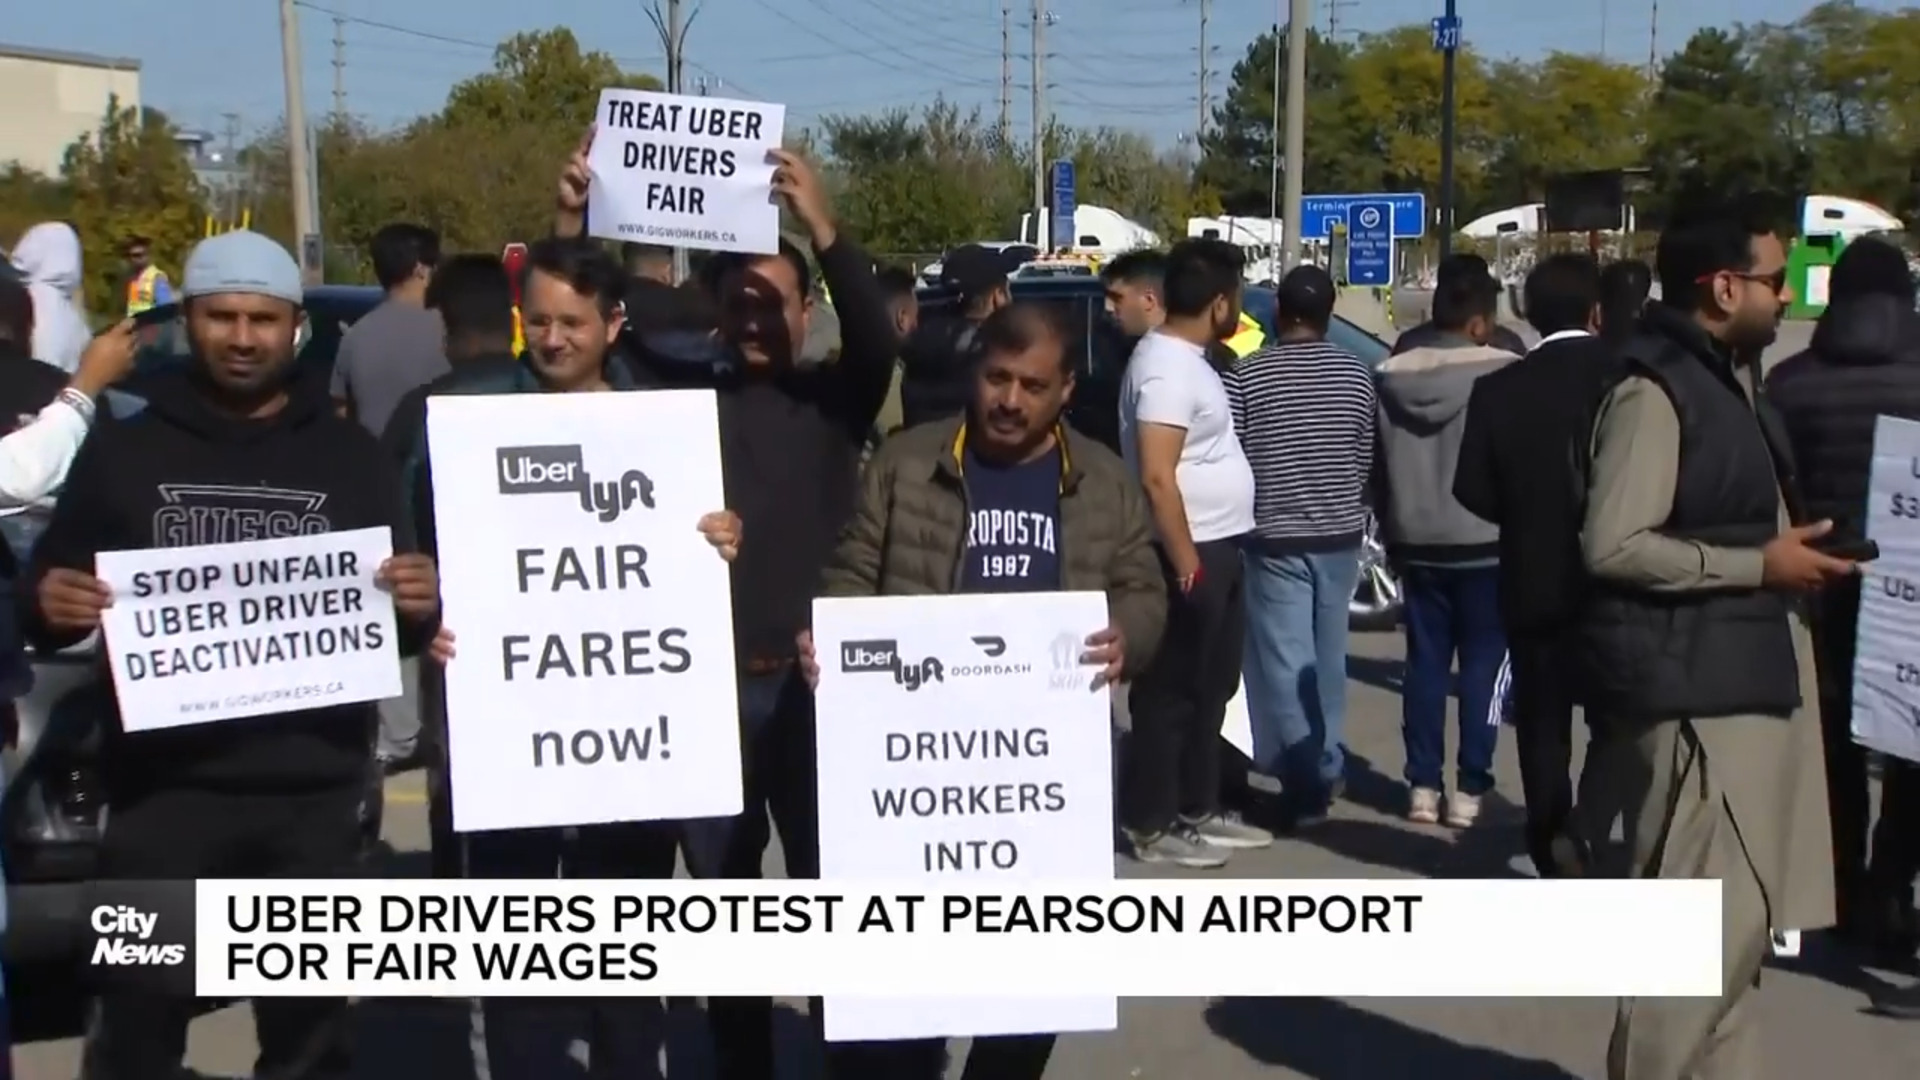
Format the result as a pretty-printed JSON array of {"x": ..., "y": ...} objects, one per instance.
[{"x": 1692, "y": 644}]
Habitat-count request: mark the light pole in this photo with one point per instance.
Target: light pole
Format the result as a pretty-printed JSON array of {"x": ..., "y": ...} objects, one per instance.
[
  {"x": 1299, "y": 21},
  {"x": 1446, "y": 38}
]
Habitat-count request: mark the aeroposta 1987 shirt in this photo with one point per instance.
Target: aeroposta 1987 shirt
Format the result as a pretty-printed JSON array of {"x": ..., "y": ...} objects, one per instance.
[{"x": 1013, "y": 524}]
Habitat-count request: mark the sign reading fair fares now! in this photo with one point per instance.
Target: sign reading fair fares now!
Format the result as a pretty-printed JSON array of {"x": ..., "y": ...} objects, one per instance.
[
  {"x": 225, "y": 631},
  {"x": 595, "y": 680},
  {"x": 962, "y": 743},
  {"x": 682, "y": 171}
]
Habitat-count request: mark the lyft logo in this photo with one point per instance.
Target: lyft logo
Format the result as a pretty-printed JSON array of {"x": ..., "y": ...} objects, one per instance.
[
  {"x": 884, "y": 655},
  {"x": 547, "y": 470}
]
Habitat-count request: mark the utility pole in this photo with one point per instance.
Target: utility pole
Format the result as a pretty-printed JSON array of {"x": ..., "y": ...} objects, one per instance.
[
  {"x": 1206, "y": 12},
  {"x": 672, "y": 25},
  {"x": 339, "y": 71},
  {"x": 1006, "y": 71},
  {"x": 1333, "y": 16},
  {"x": 230, "y": 158},
  {"x": 1039, "y": 121},
  {"x": 1450, "y": 47},
  {"x": 1653, "y": 42},
  {"x": 299, "y": 152},
  {"x": 1299, "y": 21}
]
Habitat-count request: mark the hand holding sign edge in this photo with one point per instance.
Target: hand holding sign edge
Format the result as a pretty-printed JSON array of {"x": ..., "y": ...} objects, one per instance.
[
  {"x": 72, "y": 600},
  {"x": 414, "y": 583},
  {"x": 809, "y": 661},
  {"x": 1108, "y": 649}
]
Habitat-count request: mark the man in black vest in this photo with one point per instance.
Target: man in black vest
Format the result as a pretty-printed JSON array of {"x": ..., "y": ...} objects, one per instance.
[{"x": 1691, "y": 643}]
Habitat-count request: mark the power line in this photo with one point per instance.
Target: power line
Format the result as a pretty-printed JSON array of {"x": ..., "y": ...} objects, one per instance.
[{"x": 1333, "y": 15}]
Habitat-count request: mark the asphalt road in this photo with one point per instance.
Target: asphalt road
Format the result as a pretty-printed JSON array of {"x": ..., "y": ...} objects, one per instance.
[{"x": 1813, "y": 1017}]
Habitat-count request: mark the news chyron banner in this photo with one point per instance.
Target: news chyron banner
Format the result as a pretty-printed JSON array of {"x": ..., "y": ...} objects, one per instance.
[{"x": 1035, "y": 940}]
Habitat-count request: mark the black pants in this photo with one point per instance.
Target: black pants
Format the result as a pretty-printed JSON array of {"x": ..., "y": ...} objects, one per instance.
[
  {"x": 996, "y": 1057},
  {"x": 1173, "y": 765},
  {"x": 532, "y": 1038},
  {"x": 777, "y": 754},
  {"x": 1543, "y": 729},
  {"x": 184, "y": 834}
]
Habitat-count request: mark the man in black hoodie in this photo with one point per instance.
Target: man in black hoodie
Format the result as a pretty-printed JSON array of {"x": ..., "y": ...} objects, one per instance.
[
  {"x": 791, "y": 439},
  {"x": 936, "y": 378},
  {"x": 1864, "y": 363},
  {"x": 229, "y": 449},
  {"x": 1461, "y": 267}
]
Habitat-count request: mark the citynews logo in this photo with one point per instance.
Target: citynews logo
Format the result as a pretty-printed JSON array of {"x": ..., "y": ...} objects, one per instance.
[
  {"x": 552, "y": 470},
  {"x": 124, "y": 931},
  {"x": 859, "y": 657}
]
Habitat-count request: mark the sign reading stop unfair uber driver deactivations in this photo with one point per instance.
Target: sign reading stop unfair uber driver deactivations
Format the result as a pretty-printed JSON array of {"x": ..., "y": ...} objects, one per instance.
[{"x": 681, "y": 171}]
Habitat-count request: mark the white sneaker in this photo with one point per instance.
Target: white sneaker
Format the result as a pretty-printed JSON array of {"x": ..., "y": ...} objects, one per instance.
[
  {"x": 1423, "y": 806},
  {"x": 1462, "y": 810}
]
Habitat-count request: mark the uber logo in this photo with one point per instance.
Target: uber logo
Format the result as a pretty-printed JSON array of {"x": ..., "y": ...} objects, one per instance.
[
  {"x": 540, "y": 470},
  {"x": 858, "y": 656}
]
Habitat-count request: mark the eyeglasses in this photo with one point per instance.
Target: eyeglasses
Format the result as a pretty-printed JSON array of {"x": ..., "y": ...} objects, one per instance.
[{"x": 1775, "y": 281}]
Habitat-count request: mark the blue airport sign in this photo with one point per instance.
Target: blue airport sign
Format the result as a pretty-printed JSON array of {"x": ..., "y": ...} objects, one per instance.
[
  {"x": 1446, "y": 33},
  {"x": 1370, "y": 244},
  {"x": 1320, "y": 213},
  {"x": 1060, "y": 212}
]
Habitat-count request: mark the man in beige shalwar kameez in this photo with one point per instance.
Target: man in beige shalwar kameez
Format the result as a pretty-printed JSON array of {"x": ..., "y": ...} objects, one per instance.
[{"x": 1696, "y": 638}]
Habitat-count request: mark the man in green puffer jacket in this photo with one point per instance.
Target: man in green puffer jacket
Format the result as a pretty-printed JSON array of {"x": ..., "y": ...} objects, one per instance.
[{"x": 1006, "y": 499}]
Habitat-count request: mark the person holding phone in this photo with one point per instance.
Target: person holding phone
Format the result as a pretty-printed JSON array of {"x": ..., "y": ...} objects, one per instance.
[{"x": 1692, "y": 645}]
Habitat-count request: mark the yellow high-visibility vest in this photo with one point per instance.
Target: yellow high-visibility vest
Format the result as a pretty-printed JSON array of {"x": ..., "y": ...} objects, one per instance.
[
  {"x": 1248, "y": 338},
  {"x": 142, "y": 289},
  {"x": 519, "y": 338}
]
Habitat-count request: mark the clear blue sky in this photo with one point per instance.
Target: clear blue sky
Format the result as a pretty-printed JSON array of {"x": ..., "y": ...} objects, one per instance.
[{"x": 1128, "y": 63}]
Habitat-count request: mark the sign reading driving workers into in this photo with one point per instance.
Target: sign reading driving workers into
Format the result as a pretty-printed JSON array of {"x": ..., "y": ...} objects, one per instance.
[
  {"x": 595, "y": 675},
  {"x": 226, "y": 631},
  {"x": 1886, "y": 665},
  {"x": 685, "y": 171},
  {"x": 961, "y": 738}
]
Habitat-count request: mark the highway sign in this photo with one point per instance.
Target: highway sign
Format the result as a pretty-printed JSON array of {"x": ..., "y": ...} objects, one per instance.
[
  {"x": 1319, "y": 213},
  {"x": 1060, "y": 213},
  {"x": 1370, "y": 243},
  {"x": 1446, "y": 33}
]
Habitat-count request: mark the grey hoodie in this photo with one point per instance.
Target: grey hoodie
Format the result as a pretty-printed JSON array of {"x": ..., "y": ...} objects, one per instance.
[{"x": 1423, "y": 395}]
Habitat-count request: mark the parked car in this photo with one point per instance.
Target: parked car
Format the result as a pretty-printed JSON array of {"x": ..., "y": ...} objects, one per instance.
[
  {"x": 53, "y": 811},
  {"x": 1100, "y": 349}
]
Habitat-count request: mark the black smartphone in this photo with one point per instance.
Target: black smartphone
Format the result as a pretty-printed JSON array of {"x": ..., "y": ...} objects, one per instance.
[
  {"x": 158, "y": 315},
  {"x": 1850, "y": 548}
]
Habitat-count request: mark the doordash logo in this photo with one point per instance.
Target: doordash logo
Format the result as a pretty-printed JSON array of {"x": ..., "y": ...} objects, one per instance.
[{"x": 551, "y": 470}]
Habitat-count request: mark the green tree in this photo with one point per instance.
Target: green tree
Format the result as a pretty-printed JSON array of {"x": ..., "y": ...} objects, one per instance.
[
  {"x": 1236, "y": 155},
  {"x": 128, "y": 179},
  {"x": 1567, "y": 113}
]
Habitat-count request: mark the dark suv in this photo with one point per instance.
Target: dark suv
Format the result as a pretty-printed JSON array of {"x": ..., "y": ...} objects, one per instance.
[
  {"x": 1100, "y": 350},
  {"x": 51, "y": 814}
]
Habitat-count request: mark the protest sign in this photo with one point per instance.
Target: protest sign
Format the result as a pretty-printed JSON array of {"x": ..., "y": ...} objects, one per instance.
[
  {"x": 1237, "y": 726},
  {"x": 225, "y": 631},
  {"x": 1886, "y": 664},
  {"x": 684, "y": 171},
  {"x": 961, "y": 738},
  {"x": 596, "y": 675}
]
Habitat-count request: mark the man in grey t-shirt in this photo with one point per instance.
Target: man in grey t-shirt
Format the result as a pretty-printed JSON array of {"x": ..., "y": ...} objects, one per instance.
[
  {"x": 395, "y": 348},
  {"x": 400, "y": 344}
]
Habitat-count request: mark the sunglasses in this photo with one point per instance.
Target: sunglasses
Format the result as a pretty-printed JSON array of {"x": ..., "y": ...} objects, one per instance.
[{"x": 1775, "y": 281}]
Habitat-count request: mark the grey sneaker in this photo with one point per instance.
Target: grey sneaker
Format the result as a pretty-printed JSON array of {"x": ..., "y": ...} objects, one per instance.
[
  {"x": 1179, "y": 847},
  {"x": 1229, "y": 830}
]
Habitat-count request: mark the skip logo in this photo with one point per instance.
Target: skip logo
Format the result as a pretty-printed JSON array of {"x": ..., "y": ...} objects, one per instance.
[
  {"x": 123, "y": 938},
  {"x": 858, "y": 657},
  {"x": 1067, "y": 671},
  {"x": 550, "y": 470}
]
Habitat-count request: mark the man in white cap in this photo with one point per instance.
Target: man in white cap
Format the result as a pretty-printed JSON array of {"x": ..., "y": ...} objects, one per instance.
[{"x": 232, "y": 448}]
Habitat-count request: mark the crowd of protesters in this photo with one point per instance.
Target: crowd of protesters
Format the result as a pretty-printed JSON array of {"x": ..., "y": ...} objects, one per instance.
[{"x": 1626, "y": 518}]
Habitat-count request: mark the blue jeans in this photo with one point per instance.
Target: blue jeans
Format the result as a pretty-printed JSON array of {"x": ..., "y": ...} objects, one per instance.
[
  {"x": 1451, "y": 610},
  {"x": 1296, "y": 665}
]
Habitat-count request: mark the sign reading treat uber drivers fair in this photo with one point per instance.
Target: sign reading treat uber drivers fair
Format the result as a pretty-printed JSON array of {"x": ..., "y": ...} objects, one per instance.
[
  {"x": 962, "y": 741},
  {"x": 225, "y": 631},
  {"x": 594, "y": 680},
  {"x": 681, "y": 171}
]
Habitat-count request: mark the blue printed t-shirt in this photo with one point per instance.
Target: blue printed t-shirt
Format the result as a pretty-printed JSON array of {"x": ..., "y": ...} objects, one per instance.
[{"x": 1013, "y": 524}]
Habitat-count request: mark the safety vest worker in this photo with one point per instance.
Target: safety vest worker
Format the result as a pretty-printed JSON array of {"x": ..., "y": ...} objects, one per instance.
[
  {"x": 519, "y": 337},
  {"x": 1248, "y": 338},
  {"x": 147, "y": 289}
]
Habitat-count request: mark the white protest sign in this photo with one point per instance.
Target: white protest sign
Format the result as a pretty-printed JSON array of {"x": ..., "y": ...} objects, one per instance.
[
  {"x": 1886, "y": 664},
  {"x": 225, "y": 631},
  {"x": 595, "y": 680},
  {"x": 1237, "y": 726},
  {"x": 684, "y": 171},
  {"x": 961, "y": 738}
]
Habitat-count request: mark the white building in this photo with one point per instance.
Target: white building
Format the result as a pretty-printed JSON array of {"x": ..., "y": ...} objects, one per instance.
[{"x": 52, "y": 98}]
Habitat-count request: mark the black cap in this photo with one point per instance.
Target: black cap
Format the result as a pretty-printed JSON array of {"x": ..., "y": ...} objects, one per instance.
[
  {"x": 974, "y": 269},
  {"x": 1305, "y": 293}
]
